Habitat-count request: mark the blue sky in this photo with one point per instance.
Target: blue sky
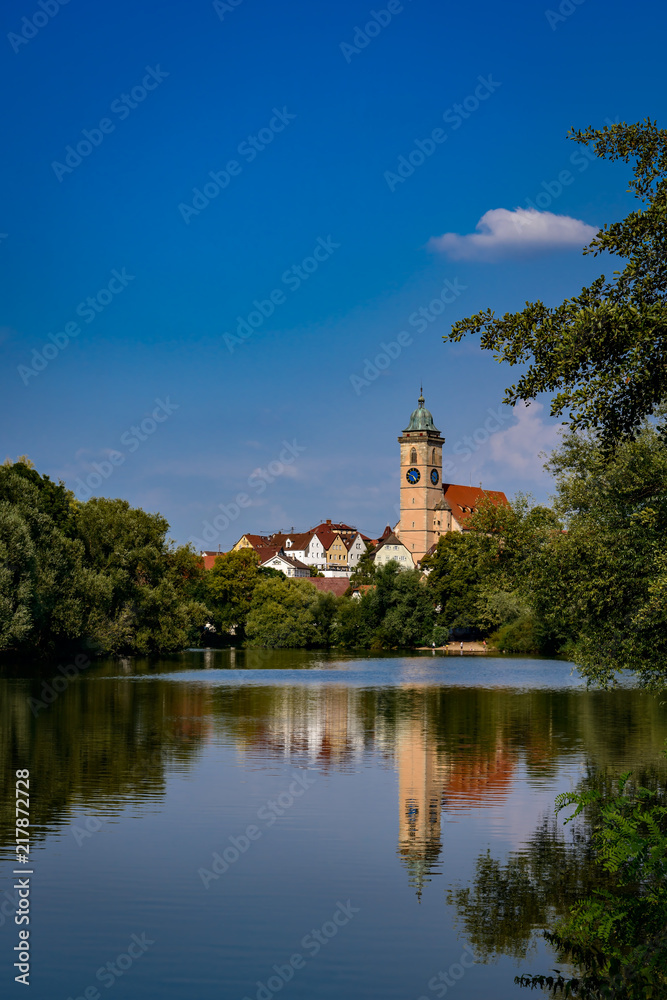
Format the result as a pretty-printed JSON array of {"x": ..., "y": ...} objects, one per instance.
[{"x": 309, "y": 235}]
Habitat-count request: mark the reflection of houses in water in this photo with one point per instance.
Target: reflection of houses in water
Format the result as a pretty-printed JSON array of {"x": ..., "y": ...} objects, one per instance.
[
  {"x": 188, "y": 718},
  {"x": 321, "y": 727},
  {"x": 478, "y": 780}
]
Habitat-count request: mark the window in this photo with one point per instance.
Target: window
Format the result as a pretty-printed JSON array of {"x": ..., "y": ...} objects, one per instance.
[
  {"x": 413, "y": 456},
  {"x": 433, "y": 457},
  {"x": 413, "y": 524}
]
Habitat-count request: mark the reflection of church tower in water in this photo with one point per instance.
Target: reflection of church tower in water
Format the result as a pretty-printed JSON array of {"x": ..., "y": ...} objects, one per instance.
[{"x": 419, "y": 800}]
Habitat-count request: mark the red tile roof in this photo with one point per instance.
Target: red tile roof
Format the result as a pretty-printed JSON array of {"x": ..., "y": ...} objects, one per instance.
[
  {"x": 465, "y": 499},
  {"x": 329, "y": 586},
  {"x": 268, "y": 552},
  {"x": 326, "y": 536},
  {"x": 208, "y": 558},
  {"x": 335, "y": 526}
]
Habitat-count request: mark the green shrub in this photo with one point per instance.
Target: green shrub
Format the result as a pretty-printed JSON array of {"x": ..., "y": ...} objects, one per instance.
[{"x": 517, "y": 637}]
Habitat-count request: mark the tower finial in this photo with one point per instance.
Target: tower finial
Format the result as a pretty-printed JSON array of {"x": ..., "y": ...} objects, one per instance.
[{"x": 421, "y": 395}]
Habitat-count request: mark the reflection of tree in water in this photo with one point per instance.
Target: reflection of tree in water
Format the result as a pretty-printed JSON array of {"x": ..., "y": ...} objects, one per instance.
[
  {"x": 100, "y": 744},
  {"x": 507, "y": 905}
]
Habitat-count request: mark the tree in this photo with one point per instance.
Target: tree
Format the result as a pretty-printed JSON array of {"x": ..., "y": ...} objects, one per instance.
[
  {"x": 288, "y": 613},
  {"x": 599, "y": 587},
  {"x": 396, "y": 612},
  {"x": 604, "y": 351},
  {"x": 98, "y": 575},
  {"x": 230, "y": 586},
  {"x": 17, "y": 572},
  {"x": 46, "y": 571},
  {"x": 455, "y": 578},
  {"x": 364, "y": 572}
]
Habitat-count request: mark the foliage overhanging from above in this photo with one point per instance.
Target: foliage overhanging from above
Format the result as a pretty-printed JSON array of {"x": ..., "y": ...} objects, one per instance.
[{"x": 603, "y": 352}]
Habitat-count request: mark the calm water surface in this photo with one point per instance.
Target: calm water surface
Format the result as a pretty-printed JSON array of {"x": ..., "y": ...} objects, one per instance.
[{"x": 235, "y": 810}]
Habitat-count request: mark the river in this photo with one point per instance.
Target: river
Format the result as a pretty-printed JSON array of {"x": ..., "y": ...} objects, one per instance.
[{"x": 236, "y": 824}]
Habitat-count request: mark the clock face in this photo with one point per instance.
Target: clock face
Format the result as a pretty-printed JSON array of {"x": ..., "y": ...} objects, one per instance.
[
  {"x": 434, "y": 477},
  {"x": 413, "y": 476}
]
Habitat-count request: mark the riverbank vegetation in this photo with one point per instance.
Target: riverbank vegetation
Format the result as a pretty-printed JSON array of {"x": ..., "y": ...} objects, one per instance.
[
  {"x": 585, "y": 577},
  {"x": 99, "y": 575}
]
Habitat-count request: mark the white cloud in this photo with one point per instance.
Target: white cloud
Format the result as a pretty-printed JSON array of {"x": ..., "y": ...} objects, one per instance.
[
  {"x": 501, "y": 232},
  {"x": 518, "y": 448}
]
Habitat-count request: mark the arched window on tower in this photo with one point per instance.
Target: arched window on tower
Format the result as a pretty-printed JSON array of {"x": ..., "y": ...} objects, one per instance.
[
  {"x": 433, "y": 457},
  {"x": 413, "y": 456}
]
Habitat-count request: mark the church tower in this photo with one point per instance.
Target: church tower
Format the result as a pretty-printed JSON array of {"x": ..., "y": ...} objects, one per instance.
[{"x": 421, "y": 483}]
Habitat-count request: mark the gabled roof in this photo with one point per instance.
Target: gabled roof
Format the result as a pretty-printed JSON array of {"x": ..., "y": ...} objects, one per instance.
[
  {"x": 300, "y": 539},
  {"x": 464, "y": 500},
  {"x": 390, "y": 539},
  {"x": 326, "y": 536},
  {"x": 295, "y": 562},
  {"x": 257, "y": 541},
  {"x": 268, "y": 552},
  {"x": 349, "y": 542},
  {"x": 279, "y": 554}
]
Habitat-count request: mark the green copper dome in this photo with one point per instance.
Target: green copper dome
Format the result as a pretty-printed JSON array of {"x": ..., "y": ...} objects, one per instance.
[{"x": 421, "y": 419}]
